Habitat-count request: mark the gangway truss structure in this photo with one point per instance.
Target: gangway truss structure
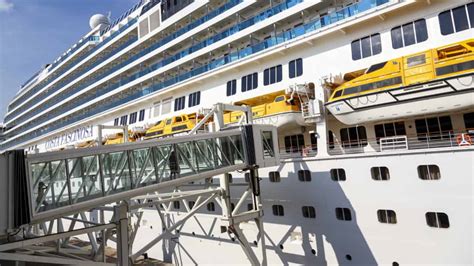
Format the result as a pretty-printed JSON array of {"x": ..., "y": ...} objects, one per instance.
[{"x": 100, "y": 192}]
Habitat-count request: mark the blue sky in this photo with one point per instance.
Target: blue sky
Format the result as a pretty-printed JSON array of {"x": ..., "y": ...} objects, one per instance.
[{"x": 35, "y": 32}]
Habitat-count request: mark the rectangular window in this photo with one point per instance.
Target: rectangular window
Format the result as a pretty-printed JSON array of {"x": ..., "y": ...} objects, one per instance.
[
  {"x": 437, "y": 219},
  {"x": 295, "y": 68},
  {"x": 231, "y": 87},
  {"x": 343, "y": 214},
  {"x": 176, "y": 205},
  {"x": 156, "y": 109},
  {"x": 338, "y": 174},
  {"x": 274, "y": 176},
  {"x": 294, "y": 143},
  {"x": 433, "y": 128},
  {"x": 194, "y": 99},
  {"x": 123, "y": 120},
  {"x": 249, "y": 82},
  {"x": 387, "y": 216},
  {"x": 353, "y": 137},
  {"x": 389, "y": 130},
  {"x": 429, "y": 172},
  {"x": 304, "y": 175},
  {"x": 179, "y": 103},
  {"x": 469, "y": 121},
  {"x": 308, "y": 212},
  {"x": 141, "y": 116},
  {"x": 278, "y": 210},
  {"x": 380, "y": 173},
  {"x": 133, "y": 118},
  {"x": 409, "y": 34},
  {"x": 272, "y": 75},
  {"x": 211, "y": 207},
  {"x": 314, "y": 141},
  {"x": 366, "y": 46},
  {"x": 116, "y": 121},
  {"x": 457, "y": 19},
  {"x": 330, "y": 140}
]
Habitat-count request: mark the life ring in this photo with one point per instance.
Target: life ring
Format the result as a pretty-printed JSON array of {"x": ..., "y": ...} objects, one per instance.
[{"x": 464, "y": 139}]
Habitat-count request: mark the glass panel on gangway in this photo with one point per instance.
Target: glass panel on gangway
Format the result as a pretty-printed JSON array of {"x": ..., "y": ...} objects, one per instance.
[{"x": 72, "y": 180}]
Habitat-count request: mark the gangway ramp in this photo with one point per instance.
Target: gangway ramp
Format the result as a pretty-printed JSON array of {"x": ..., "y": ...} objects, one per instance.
[{"x": 70, "y": 181}]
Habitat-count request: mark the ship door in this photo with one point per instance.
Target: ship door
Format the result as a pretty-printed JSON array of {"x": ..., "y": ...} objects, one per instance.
[{"x": 418, "y": 68}]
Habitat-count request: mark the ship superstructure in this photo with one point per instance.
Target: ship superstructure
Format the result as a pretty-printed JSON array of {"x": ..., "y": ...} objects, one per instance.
[{"x": 373, "y": 101}]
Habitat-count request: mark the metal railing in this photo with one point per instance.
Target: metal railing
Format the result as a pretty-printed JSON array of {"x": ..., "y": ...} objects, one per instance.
[
  {"x": 140, "y": 54},
  {"x": 400, "y": 143}
]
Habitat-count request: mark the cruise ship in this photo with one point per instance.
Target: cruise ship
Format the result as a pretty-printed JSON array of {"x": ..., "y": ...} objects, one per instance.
[{"x": 372, "y": 101}]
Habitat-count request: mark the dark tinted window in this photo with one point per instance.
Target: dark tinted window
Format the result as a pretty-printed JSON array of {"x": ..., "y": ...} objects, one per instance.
[
  {"x": 294, "y": 143},
  {"x": 408, "y": 34},
  {"x": 437, "y": 219},
  {"x": 469, "y": 121},
  {"x": 397, "y": 41},
  {"x": 367, "y": 46},
  {"x": 375, "y": 67},
  {"x": 231, "y": 87},
  {"x": 295, "y": 68},
  {"x": 460, "y": 18},
  {"x": 421, "y": 30},
  {"x": 445, "y": 22}
]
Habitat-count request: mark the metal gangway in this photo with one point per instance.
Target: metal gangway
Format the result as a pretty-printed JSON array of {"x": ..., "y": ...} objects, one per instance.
[{"x": 124, "y": 178}]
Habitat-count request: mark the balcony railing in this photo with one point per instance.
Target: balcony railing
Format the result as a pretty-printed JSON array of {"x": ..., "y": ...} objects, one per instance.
[
  {"x": 296, "y": 32},
  {"x": 249, "y": 22},
  {"x": 144, "y": 52},
  {"x": 34, "y": 90}
]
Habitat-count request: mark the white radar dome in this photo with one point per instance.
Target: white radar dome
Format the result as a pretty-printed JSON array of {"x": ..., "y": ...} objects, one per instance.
[{"x": 98, "y": 19}]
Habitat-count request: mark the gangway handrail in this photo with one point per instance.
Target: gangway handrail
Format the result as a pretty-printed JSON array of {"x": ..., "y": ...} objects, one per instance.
[{"x": 112, "y": 173}]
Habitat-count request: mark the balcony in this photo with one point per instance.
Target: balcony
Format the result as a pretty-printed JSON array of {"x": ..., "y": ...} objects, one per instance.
[{"x": 281, "y": 38}]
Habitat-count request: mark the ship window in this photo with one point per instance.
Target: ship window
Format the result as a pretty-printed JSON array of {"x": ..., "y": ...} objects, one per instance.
[
  {"x": 176, "y": 205},
  {"x": 409, "y": 34},
  {"x": 116, "y": 122},
  {"x": 353, "y": 137},
  {"x": 314, "y": 141},
  {"x": 295, "y": 68},
  {"x": 278, "y": 210},
  {"x": 123, "y": 120},
  {"x": 429, "y": 172},
  {"x": 387, "y": 216},
  {"x": 331, "y": 139},
  {"x": 308, "y": 212},
  {"x": 179, "y": 103},
  {"x": 211, "y": 207},
  {"x": 366, "y": 46},
  {"x": 455, "y": 68},
  {"x": 469, "y": 121},
  {"x": 133, "y": 118},
  {"x": 247, "y": 177},
  {"x": 231, "y": 87},
  {"x": 338, "y": 174},
  {"x": 343, "y": 214},
  {"x": 249, "y": 206},
  {"x": 294, "y": 143},
  {"x": 194, "y": 99},
  {"x": 249, "y": 82},
  {"x": 389, "y": 130},
  {"x": 337, "y": 94},
  {"x": 304, "y": 175},
  {"x": 456, "y": 19},
  {"x": 141, "y": 116},
  {"x": 434, "y": 128},
  {"x": 168, "y": 122},
  {"x": 437, "y": 219},
  {"x": 279, "y": 99},
  {"x": 380, "y": 173},
  {"x": 272, "y": 75},
  {"x": 191, "y": 204},
  {"x": 376, "y": 67},
  {"x": 274, "y": 176},
  {"x": 416, "y": 60}
]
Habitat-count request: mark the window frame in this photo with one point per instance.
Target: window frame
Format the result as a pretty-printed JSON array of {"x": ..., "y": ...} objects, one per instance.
[
  {"x": 401, "y": 33},
  {"x": 374, "y": 42},
  {"x": 295, "y": 68}
]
